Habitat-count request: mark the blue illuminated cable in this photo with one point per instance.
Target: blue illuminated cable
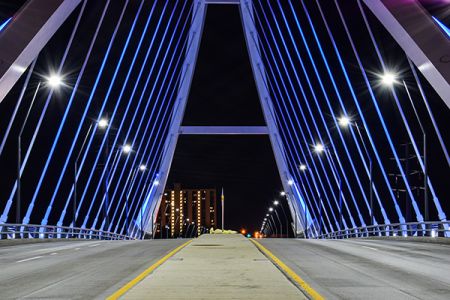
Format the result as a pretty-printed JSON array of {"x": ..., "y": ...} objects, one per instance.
[
  {"x": 3, "y": 25},
  {"x": 321, "y": 116},
  {"x": 160, "y": 143},
  {"x": 397, "y": 208},
  {"x": 304, "y": 117},
  {"x": 142, "y": 116},
  {"x": 124, "y": 116},
  {"x": 160, "y": 106},
  {"x": 110, "y": 86},
  {"x": 323, "y": 168},
  {"x": 320, "y": 180},
  {"x": 154, "y": 124},
  {"x": 26, "y": 218},
  {"x": 339, "y": 97},
  {"x": 4, "y": 216},
  {"x": 430, "y": 112},
  {"x": 408, "y": 129},
  {"x": 301, "y": 149},
  {"x": 113, "y": 116},
  {"x": 330, "y": 108},
  {"x": 324, "y": 122},
  {"x": 19, "y": 101},
  {"x": 45, "y": 219}
]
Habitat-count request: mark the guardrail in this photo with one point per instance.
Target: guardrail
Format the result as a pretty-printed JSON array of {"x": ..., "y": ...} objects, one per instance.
[
  {"x": 31, "y": 231},
  {"x": 413, "y": 229}
]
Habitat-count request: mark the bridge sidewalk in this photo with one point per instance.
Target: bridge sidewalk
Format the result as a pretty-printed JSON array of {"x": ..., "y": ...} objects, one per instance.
[{"x": 216, "y": 267}]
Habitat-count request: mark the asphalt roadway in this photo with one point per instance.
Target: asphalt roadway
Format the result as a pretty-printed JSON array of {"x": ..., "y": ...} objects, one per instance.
[
  {"x": 75, "y": 269},
  {"x": 368, "y": 269}
]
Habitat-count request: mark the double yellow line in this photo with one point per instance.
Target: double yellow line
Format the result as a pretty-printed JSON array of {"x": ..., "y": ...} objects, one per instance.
[
  {"x": 289, "y": 272},
  {"x": 141, "y": 276}
]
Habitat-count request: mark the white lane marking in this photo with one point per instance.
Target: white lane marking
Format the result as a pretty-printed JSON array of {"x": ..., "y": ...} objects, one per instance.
[
  {"x": 27, "y": 259},
  {"x": 370, "y": 248},
  {"x": 54, "y": 253},
  {"x": 77, "y": 248},
  {"x": 95, "y": 245}
]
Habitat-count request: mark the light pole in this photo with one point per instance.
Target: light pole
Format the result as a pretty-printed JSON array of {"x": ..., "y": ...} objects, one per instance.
[
  {"x": 303, "y": 169},
  {"x": 276, "y": 202},
  {"x": 19, "y": 156},
  {"x": 279, "y": 221},
  {"x": 425, "y": 164},
  {"x": 319, "y": 148}
]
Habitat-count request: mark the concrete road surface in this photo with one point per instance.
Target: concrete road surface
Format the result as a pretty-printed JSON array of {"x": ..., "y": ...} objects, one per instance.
[
  {"x": 75, "y": 270},
  {"x": 368, "y": 269},
  {"x": 219, "y": 267}
]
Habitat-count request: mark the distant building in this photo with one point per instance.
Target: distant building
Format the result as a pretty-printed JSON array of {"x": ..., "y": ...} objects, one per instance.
[{"x": 186, "y": 212}]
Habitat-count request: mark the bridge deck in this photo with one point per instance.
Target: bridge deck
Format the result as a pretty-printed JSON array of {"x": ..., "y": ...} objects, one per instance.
[
  {"x": 368, "y": 269},
  {"x": 216, "y": 267}
]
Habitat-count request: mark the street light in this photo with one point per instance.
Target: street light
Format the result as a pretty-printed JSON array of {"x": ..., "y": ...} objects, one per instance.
[
  {"x": 142, "y": 167},
  {"x": 302, "y": 167},
  {"x": 388, "y": 78},
  {"x": 54, "y": 80},
  {"x": 103, "y": 123},
  {"x": 290, "y": 182},
  {"x": 344, "y": 121},
  {"x": 283, "y": 193},
  {"x": 318, "y": 148},
  {"x": 126, "y": 148},
  {"x": 271, "y": 209}
]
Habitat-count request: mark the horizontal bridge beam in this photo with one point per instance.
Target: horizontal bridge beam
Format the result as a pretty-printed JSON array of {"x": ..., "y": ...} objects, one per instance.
[
  {"x": 222, "y": 1},
  {"x": 224, "y": 130}
]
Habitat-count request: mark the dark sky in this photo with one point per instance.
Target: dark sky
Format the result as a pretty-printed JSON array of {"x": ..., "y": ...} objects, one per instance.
[{"x": 224, "y": 93}]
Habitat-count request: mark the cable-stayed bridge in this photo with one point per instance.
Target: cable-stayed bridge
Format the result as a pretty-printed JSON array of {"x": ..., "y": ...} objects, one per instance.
[{"x": 355, "y": 97}]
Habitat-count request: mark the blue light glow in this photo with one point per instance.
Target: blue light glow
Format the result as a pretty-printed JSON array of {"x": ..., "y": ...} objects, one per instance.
[
  {"x": 5, "y": 23},
  {"x": 442, "y": 25}
]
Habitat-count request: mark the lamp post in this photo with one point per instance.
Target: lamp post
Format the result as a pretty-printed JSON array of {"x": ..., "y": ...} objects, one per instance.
[
  {"x": 279, "y": 221},
  {"x": 19, "y": 156},
  {"x": 303, "y": 168},
  {"x": 425, "y": 164},
  {"x": 276, "y": 202},
  {"x": 319, "y": 148}
]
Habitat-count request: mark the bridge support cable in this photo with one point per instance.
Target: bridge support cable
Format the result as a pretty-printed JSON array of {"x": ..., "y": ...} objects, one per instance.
[
  {"x": 320, "y": 112},
  {"x": 303, "y": 115},
  {"x": 16, "y": 108},
  {"x": 430, "y": 112},
  {"x": 39, "y": 123},
  {"x": 195, "y": 34},
  {"x": 338, "y": 95},
  {"x": 165, "y": 118},
  {"x": 291, "y": 141},
  {"x": 27, "y": 217},
  {"x": 133, "y": 143},
  {"x": 441, "y": 213}
]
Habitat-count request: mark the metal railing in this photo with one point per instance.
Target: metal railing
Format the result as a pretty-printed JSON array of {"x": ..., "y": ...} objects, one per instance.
[
  {"x": 412, "y": 229},
  {"x": 32, "y": 231}
]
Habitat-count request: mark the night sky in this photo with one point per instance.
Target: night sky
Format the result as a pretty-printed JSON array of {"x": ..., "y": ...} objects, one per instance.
[{"x": 224, "y": 93}]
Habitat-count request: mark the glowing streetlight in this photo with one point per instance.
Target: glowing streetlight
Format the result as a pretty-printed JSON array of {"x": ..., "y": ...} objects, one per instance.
[
  {"x": 344, "y": 121},
  {"x": 276, "y": 202},
  {"x": 318, "y": 148},
  {"x": 290, "y": 182},
  {"x": 270, "y": 209},
  {"x": 267, "y": 215},
  {"x": 103, "y": 123},
  {"x": 388, "y": 78},
  {"x": 302, "y": 167},
  {"x": 283, "y": 193},
  {"x": 142, "y": 167},
  {"x": 126, "y": 148},
  {"x": 156, "y": 182},
  {"x": 54, "y": 80}
]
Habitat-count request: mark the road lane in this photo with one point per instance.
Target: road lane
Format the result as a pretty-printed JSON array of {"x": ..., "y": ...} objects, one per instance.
[
  {"x": 368, "y": 269},
  {"x": 75, "y": 270}
]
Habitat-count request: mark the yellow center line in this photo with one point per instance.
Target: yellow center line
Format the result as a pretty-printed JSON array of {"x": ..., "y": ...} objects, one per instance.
[
  {"x": 141, "y": 276},
  {"x": 289, "y": 272}
]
